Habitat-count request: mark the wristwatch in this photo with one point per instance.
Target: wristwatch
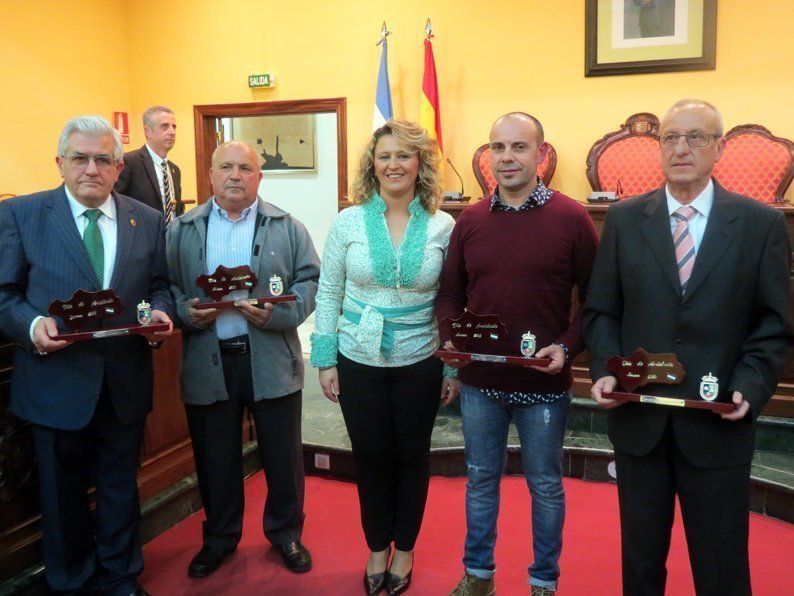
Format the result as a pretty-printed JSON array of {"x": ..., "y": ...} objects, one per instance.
[{"x": 564, "y": 349}]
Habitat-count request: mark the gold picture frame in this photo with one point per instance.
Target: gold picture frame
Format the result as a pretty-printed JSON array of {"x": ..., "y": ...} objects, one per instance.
[{"x": 643, "y": 36}]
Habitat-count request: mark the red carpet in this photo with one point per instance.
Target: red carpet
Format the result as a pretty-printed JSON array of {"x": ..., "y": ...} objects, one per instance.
[{"x": 590, "y": 557}]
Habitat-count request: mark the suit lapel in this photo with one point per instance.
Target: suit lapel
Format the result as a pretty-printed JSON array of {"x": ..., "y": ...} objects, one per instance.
[
  {"x": 656, "y": 229},
  {"x": 62, "y": 221},
  {"x": 148, "y": 165},
  {"x": 717, "y": 239},
  {"x": 125, "y": 234}
]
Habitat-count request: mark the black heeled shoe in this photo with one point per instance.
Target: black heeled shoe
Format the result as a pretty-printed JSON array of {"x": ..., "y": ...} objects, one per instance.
[
  {"x": 397, "y": 585},
  {"x": 374, "y": 583}
]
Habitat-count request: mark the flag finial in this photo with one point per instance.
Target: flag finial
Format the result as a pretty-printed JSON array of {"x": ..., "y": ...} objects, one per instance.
[
  {"x": 384, "y": 33},
  {"x": 428, "y": 29}
]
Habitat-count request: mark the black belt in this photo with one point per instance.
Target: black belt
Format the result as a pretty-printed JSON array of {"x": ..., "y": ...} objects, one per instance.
[{"x": 235, "y": 345}]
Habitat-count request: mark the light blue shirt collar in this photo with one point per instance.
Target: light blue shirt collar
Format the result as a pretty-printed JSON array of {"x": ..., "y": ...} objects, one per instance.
[
  {"x": 155, "y": 158},
  {"x": 702, "y": 203},
  {"x": 219, "y": 211}
]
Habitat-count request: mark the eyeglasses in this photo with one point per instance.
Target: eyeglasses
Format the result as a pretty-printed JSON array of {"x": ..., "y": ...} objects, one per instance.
[
  {"x": 693, "y": 139},
  {"x": 81, "y": 161}
]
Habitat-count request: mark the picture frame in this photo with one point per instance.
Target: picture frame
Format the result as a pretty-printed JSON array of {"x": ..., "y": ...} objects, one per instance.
[
  {"x": 649, "y": 36},
  {"x": 286, "y": 143}
]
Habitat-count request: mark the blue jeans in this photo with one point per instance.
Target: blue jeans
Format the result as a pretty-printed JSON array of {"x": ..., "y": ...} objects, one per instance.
[{"x": 541, "y": 429}]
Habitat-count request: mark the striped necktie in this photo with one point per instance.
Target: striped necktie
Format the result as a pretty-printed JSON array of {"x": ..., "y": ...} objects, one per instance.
[
  {"x": 684, "y": 244},
  {"x": 92, "y": 238},
  {"x": 169, "y": 204}
]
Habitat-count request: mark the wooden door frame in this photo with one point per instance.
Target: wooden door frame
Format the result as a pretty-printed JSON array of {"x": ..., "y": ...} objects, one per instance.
[{"x": 204, "y": 122}]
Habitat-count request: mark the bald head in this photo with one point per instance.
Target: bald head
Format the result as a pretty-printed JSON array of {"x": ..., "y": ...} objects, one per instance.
[
  {"x": 517, "y": 147},
  {"x": 697, "y": 105},
  {"x": 528, "y": 119}
]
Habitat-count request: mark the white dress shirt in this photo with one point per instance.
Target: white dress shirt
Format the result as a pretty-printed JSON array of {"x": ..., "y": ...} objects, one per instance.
[
  {"x": 158, "y": 169},
  {"x": 702, "y": 206}
]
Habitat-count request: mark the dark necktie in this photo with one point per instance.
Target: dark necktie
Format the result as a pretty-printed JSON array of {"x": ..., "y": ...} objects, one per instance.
[
  {"x": 168, "y": 202},
  {"x": 92, "y": 238}
]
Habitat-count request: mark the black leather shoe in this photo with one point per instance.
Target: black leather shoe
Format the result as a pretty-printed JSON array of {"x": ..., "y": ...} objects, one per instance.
[
  {"x": 206, "y": 562},
  {"x": 397, "y": 585},
  {"x": 374, "y": 583},
  {"x": 296, "y": 557}
]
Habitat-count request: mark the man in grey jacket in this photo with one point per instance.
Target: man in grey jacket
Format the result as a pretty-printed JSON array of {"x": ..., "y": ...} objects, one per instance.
[{"x": 243, "y": 357}]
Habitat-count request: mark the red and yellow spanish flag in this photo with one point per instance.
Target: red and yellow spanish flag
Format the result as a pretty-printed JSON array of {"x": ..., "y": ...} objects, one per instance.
[{"x": 429, "y": 110}]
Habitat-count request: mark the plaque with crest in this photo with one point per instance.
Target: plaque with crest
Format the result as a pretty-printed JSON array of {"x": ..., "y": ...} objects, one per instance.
[
  {"x": 474, "y": 336},
  {"x": 644, "y": 368},
  {"x": 85, "y": 311},
  {"x": 225, "y": 280}
]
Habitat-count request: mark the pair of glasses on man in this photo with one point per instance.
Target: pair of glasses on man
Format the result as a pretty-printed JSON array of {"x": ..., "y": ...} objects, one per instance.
[
  {"x": 693, "y": 139},
  {"x": 81, "y": 160}
]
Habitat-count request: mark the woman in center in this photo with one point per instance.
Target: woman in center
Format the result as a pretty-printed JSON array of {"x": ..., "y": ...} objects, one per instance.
[{"x": 375, "y": 336}]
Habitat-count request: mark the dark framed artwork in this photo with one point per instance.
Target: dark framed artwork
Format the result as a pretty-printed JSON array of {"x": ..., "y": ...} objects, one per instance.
[{"x": 641, "y": 36}]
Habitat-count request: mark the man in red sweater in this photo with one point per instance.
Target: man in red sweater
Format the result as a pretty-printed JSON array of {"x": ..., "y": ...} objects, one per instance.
[{"x": 518, "y": 254}]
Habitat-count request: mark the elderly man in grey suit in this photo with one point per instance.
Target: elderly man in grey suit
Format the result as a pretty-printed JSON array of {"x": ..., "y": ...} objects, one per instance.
[
  {"x": 695, "y": 270},
  {"x": 245, "y": 356},
  {"x": 87, "y": 401}
]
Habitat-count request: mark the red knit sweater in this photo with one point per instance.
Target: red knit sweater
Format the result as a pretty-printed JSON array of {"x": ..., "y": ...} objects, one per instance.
[{"x": 523, "y": 266}]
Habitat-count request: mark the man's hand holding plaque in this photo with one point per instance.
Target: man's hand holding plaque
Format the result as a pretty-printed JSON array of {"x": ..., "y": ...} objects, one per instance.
[
  {"x": 84, "y": 310},
  {"x": 225, "y": 280},
  {"x": 471, "y": 336},
  {"x": 643, "y": 368}
]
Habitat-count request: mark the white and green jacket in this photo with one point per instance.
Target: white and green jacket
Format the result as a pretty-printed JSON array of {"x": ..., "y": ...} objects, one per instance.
[{"x": 375, "y": 301}]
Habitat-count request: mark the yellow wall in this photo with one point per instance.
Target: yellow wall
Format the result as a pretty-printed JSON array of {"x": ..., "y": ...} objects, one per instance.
[
  {"x": 57, "y": 60},
  {"x": 491, "y": 58}
]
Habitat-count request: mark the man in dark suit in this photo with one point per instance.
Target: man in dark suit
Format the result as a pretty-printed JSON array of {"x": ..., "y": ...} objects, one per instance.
[
  {"x": 696, "y": 270},
  {"x": 87, "y": 400},
  {"x": 148, "y": 175}
]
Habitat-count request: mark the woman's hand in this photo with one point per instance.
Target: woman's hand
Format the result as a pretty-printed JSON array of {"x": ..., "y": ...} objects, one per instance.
[
  {"x": 450, "y": 388},
  {"x": 329, "y": 381}
]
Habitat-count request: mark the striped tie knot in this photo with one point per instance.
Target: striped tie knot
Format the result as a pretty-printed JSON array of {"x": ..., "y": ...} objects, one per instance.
[{"x": 684, "y": 213}]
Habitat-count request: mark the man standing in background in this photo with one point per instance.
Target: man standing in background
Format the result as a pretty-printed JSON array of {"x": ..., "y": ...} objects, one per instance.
[{"x": 148, "y": 175}]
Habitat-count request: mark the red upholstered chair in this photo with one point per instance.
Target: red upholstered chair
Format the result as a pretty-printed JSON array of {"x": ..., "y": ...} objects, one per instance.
[
  {"x": 756, "y": 163},
  {"x": 481, "y": 164},
  {"x": 627, "y": 161}
]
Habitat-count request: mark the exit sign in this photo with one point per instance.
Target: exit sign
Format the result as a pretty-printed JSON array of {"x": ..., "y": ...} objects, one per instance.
[{"x": 260, "y": 81}]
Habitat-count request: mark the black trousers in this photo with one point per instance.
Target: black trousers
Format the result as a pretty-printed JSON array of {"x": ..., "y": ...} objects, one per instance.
[
  {"x": 216, "y": 432},
  {"x": 81, "y": 554},
  {"x": 389, "y": 414},
  {"x": 715, "y": 505}
]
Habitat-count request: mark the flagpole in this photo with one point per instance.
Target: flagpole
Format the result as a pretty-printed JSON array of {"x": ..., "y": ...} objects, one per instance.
[{"x": 383, "y": 106}]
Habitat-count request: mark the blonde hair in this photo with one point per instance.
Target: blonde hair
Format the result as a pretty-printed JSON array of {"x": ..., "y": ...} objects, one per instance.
[{"x": 428, "y": 178}]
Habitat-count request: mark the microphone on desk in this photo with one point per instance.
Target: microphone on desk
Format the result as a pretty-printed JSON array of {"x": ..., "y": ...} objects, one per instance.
[{"x": 452, "y": 195}]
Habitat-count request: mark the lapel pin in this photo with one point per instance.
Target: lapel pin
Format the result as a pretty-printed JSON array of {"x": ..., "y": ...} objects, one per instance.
[{"x": 133, "y": 223}]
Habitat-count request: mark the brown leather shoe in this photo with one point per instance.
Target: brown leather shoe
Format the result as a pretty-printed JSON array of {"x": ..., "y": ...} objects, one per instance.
[
  {"x": 471, "y": 585},
  {"x": 296, "y": 557}
]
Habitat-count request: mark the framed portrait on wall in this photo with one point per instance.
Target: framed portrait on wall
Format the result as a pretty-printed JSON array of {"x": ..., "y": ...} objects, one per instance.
[
  {"x": 285, "y": 142},
  {"x": 641, "y": 36}
]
